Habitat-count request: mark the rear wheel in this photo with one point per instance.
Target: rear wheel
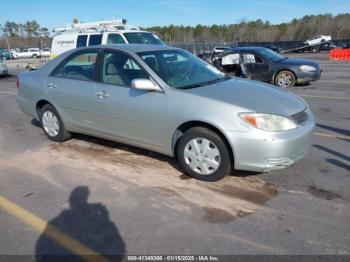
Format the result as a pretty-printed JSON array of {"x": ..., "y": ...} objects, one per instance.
[
  {"x": 52, "y": 124},
  {"x": 34, "y": 56},
  {"x": 203, "y": 154},
  {"x": 285, "y": 79}
]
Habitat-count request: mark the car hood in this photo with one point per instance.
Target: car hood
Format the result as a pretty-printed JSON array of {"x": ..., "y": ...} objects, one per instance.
[
  {"x": 299, "y": 61},
  {"x": 252, "y": 96}
]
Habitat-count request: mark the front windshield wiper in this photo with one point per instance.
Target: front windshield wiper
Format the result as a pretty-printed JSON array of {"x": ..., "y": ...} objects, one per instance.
[{"x": 210, "y": 82}]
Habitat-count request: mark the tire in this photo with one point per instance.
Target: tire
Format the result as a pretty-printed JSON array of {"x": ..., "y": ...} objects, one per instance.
[
  {"x": 323, "y": 41},
  {"x": 285, "y": 79},
  {"x": 34, "y": 56},
  {"x": 55, "y": 130},
  {"x": 212, "y": 167}
]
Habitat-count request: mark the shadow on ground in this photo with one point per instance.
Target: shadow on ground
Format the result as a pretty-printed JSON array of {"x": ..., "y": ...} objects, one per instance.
[{"x": 87, "y": 223}]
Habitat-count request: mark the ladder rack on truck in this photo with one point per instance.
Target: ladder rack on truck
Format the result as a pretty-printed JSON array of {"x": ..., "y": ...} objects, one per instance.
[
  {"x": 116, "y": 24},
  {"x": 307, "y": 48}
]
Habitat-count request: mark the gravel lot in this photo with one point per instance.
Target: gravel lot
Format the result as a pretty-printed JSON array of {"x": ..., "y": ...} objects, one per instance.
[{"x": 141, "y": 203}]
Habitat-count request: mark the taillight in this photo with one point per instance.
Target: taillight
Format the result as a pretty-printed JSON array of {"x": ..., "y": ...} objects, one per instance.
[{"x": 17, "y": 82}]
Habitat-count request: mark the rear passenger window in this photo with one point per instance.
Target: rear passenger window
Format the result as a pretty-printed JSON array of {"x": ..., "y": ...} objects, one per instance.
[
  {"x": 95, "y": 40},
  {"x": 120, "y": 69},
  {"x": 79, "y": 67},
  {"x": 115, "y": 39},
  {"x": 81, "y": 42}
]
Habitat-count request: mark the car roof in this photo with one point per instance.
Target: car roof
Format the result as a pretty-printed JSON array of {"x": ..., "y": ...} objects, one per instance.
[
  {"x": 248, "y": 48},
  {"x": 134, "y": 47},
  {"x": 121, "y": 31}
]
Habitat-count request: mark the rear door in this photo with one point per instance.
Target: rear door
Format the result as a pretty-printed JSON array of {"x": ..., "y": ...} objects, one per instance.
[
  {"x": 132, "y": 115},
  {"x": 71, "y": 88}
]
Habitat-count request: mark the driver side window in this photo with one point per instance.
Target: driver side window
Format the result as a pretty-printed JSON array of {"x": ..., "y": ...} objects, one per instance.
[
  {"x": 120, "y": 69},
  {"x": 252, "y": 59}
]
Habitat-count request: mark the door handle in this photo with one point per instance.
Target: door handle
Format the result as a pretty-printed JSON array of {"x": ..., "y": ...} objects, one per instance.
[
  {"x": 102, "y": 94},
  {"x": 52, "y": 85}
]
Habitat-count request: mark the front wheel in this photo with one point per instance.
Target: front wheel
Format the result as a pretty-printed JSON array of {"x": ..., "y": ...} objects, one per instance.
[
  {"x": 34, "y": 56},
  {"x": 203, "y": 155},
  {"x": 52, "y": 124},
  {"x": 285, "y": 79}
]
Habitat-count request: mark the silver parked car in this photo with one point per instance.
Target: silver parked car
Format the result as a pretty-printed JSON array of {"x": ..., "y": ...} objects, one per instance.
[{"x": 167, "y": 100}]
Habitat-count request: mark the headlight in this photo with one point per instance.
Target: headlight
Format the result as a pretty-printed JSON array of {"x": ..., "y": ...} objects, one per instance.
[
  {"x": 268, "y": 122},
  {"x": 307, "y": 68}
]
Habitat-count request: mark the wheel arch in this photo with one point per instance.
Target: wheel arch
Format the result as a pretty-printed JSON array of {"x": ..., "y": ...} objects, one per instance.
[
  {"x": 181, "y": 129},
  {"x": 39, "y": 105}
]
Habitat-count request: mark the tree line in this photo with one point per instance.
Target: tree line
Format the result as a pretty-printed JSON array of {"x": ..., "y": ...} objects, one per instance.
[
  {"x": 31, "y": 33},
  {"x": 27, "y": 29},
  {"x": 28, "y": 34},
  {"x": 259, "y": 31}
]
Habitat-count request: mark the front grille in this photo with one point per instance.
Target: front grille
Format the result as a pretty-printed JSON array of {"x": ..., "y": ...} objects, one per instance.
[{"x": 300, "y": 117}]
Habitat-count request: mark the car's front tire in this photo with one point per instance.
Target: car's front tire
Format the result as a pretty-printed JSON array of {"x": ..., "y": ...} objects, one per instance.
[
  {"x": 285, "y": 79},
  {"x": 52, "y": 124},
  {"x": 203, "y": 154}
]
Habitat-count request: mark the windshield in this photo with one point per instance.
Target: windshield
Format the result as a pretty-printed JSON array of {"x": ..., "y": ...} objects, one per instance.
[
  {"x": 270, "y": 55},
  {"x": 180, "y": 69},
  {"x": 143, "y": 38}
]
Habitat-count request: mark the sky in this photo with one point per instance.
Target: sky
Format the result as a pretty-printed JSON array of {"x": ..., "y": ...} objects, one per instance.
[{"x": 147, "y": 13}]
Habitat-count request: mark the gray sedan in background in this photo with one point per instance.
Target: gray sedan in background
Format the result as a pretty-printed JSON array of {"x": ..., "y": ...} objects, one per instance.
[{"x": 167, "y": 100}]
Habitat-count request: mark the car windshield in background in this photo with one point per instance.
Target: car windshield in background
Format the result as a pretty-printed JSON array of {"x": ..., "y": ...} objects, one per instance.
[
  {"x": 182, "y": 70},
  {"x": 143, "y": 38},
  {"x": 270, "y": 55}
]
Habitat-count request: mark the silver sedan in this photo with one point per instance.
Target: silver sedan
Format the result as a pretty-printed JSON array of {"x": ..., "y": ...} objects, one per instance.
[{"x": 167, "y": 100}]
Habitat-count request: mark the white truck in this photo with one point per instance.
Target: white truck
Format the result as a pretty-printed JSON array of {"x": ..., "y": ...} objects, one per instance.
[
  {"x": 99, "y": 33},
  {"x": 29, "y": 53}
]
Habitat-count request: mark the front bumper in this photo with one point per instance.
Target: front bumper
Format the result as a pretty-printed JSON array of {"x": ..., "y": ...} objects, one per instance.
[
  {"x": 262, "y": 151},
  {"x": 306, "y": 77}
]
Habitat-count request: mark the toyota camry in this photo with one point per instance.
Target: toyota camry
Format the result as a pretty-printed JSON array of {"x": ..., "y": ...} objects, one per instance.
[{"x": 167, "y": 100}]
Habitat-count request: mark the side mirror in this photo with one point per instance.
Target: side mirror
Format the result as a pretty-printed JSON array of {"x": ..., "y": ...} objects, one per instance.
[{"x": 144, "y": 84}]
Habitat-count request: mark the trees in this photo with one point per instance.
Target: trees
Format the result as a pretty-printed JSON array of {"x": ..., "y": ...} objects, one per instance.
[
  {"x": 31, "y": 28},
  {"x": 338, "y": 27},
  {"x": 10, "y": 29},
  {"x": 259, "y": 31},
  {"x": 23, "y": 35}
]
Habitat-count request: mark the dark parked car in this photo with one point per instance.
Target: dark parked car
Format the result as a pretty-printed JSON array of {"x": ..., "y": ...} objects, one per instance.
[
  {"x": 327, "y": 47},
  {"x": 274, "y": 48},
  {"x": 263, "y": 64},
  {"x": 5, "y": 54}
]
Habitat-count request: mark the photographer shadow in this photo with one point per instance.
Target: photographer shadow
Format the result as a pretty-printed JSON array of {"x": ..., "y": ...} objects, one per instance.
[{"x": 87, "y": 224}]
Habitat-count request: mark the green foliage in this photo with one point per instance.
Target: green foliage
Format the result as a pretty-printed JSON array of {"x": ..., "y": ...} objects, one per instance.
[{"x": 259, "y": 31}]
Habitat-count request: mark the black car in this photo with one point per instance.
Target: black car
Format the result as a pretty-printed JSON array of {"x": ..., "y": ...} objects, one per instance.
[{"x": 263, "y": 64}]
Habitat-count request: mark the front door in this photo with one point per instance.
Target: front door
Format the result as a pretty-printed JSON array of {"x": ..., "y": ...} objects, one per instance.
[
  {"x": 254, "y": 67},
  {"x": 131, "y": 115}
]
